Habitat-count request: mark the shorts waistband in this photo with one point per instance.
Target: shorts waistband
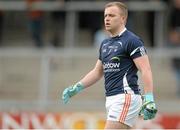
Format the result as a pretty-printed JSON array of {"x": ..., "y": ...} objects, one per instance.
[{"x": 125, "y": 92}]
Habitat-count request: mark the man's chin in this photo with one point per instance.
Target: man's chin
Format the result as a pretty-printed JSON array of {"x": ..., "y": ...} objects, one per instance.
[{"x": 108, "y": 29}]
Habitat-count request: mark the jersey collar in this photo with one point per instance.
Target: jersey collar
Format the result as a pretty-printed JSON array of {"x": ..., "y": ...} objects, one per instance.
[{"x": 122, "y": 32}]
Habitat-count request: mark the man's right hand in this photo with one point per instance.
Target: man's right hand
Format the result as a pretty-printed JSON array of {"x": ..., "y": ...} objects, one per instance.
[{"x": 71, "y": 91}]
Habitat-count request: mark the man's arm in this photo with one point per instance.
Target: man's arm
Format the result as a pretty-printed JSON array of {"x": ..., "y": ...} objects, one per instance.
[
  {"x": 148, "y": 109},
  {"x": 92, "y": 77},
  {"x": 143, "y": 65}
]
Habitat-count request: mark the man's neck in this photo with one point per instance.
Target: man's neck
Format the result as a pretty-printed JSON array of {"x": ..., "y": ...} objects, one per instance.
[{"x": 118, "y": 32}]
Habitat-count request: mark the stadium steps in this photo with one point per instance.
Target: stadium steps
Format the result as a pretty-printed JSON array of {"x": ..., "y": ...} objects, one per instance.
[{"x": 19, "y": 79}]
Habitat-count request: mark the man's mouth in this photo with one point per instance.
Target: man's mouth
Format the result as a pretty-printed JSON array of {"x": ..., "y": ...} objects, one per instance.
[{"x": 107, "y": 24}]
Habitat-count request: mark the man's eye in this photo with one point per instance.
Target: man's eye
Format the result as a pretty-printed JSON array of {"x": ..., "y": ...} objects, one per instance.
[{"x": 111, "y": 15}]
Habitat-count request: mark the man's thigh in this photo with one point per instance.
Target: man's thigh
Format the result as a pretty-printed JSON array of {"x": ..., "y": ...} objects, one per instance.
[
  {"x": 123, "y": 109},
  {"x": 116, "y": 125}
]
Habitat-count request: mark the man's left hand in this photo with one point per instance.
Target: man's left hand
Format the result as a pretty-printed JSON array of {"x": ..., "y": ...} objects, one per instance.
[{"x": 148, "y": 109}]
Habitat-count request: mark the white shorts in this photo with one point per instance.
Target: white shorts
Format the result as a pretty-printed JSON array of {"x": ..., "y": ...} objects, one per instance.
[{"x": 123, "y": 108}]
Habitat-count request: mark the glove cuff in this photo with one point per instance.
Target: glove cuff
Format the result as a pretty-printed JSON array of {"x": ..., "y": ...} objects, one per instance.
[
  {"x": 149, "y": 97},
  {"x": 79, "y": 86}
]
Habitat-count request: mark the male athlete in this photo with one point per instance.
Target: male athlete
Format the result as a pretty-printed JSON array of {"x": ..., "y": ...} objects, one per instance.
[{"x": 120, "y": 57}]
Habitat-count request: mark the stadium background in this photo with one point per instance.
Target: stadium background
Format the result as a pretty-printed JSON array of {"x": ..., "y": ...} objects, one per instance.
[{"x": 32, "y": 79}]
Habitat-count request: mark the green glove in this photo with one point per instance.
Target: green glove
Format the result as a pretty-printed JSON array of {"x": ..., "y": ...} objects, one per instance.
[
  {"x": 148, "y": 109},
  {"x": 71, "y": 91}
]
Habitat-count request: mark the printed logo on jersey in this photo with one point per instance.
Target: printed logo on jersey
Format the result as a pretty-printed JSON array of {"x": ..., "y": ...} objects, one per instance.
[
  {"x": 112, "y": 49},
  {"x": 104, "y": 50},
  {"x": 142, "y": 51},
  {"x": 113, "y": 65},
  {"x": 120, "y": 43},
  {"x": 115, "y": 58}
]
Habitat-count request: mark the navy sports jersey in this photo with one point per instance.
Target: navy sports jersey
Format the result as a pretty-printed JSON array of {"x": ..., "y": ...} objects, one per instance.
[{"x": 117, "y": 54}]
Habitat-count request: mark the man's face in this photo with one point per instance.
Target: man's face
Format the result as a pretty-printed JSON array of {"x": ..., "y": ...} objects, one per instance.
[{"x": 113, "y": 19}]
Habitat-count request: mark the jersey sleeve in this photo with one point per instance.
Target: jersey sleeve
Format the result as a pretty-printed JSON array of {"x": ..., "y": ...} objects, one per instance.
[
  {"x": 136, "y": 48},
  {"x": 100, "y": 52},
  {"x": 100, "y": 49}
]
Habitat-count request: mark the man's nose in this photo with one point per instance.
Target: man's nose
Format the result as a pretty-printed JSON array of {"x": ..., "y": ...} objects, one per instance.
[{"x": 107, "y": 19}]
